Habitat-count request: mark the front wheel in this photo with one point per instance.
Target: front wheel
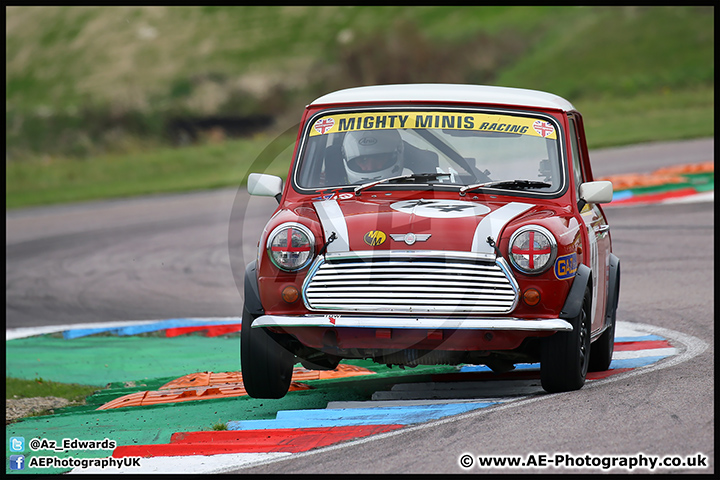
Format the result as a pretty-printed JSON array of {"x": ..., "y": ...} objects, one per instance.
[
  {"x": 564, "y": 356},
  {"x": 267, "y": 367}
]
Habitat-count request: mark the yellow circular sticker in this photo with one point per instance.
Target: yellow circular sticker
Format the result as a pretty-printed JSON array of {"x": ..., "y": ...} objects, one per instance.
[{"x": 375, "y": 237}]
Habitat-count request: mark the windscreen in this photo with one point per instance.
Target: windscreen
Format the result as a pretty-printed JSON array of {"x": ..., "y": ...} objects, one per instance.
[{"x": 342, "y": 149}]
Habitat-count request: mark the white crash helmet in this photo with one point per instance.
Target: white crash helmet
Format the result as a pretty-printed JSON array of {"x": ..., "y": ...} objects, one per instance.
[{"x": 372, "y": 155}]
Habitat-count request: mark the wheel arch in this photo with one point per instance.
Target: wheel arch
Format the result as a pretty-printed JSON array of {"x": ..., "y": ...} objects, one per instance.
[
  {"x": 613, "y": 293},
  {"x": 574, "y": 301},
  {"x": 251, "y": 291}
]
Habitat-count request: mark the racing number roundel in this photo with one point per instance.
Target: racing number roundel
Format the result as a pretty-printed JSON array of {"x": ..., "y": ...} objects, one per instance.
[{"x": 440, "y": 208}]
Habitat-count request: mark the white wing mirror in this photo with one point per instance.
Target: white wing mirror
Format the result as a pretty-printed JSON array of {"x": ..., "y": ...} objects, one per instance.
[
  {"x": 596, "y": 192},
  {"x": 264, "y": 185}
]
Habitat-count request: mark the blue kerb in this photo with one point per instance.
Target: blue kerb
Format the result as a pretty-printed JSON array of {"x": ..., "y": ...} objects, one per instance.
[
  {"x": 485, "y": 368},
  {"x": 635, "y": 362},
  {"x": 644, "y": 338},
  {"x": 622, "y": 195},
  {"x": 150, "y": 327},
  {"x": 629, "y": 363},
  {"x": 402, "y": 415}
]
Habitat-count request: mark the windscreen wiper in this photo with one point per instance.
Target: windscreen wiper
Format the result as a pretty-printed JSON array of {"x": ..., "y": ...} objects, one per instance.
[
  {"x": 400, "y": 178},
  {"x": 509, "y": 184}
]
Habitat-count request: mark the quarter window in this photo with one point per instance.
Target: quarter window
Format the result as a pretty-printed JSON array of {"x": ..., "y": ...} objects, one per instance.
[{"x": 577, "y": 167}]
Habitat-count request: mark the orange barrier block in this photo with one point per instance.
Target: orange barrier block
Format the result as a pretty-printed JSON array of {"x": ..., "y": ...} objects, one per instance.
[
  {"x": 342, "y": 371},
  {"x": 204, "y": 379},
  {"x": 688, "y": 169},
  {"x": 300, "y": 374},
  {"x": 661, "y": 176},
  {"x": 175, "y": 395},
  {"x": 635, "y": 180},
  {"x": 206, "y": 385},
  {"x": 131, "y": 400}
]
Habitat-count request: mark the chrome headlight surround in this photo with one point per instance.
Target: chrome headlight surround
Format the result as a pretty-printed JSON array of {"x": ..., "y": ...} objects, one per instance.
[
  {"x": 532, "y": 249},
  {"x": 291, "y": 246}
]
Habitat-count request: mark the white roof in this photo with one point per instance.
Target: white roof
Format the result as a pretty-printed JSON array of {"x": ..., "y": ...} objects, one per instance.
[{"x": 433, "y": 92}]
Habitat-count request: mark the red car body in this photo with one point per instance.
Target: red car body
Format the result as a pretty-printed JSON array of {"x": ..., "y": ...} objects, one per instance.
[{"x": 447, "y": 265}]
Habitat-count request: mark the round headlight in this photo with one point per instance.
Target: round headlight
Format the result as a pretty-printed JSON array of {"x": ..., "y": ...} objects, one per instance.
[
  {"x": 290, "y": 246},
  {"x": 532, "y": 249}
]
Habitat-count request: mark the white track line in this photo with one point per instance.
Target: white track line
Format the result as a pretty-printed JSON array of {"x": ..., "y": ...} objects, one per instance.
[{"x": 15, "y": 333}]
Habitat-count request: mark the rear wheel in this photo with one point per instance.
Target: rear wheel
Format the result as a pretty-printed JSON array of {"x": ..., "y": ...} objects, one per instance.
[
  {"x": 565, "y": 356},
  {"x": 266, "y": 366},
  {"x": 602, "y": 349}
]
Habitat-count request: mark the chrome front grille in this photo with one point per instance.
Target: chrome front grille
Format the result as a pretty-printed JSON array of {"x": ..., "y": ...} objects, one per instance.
[{"x": 409, "y": 283}]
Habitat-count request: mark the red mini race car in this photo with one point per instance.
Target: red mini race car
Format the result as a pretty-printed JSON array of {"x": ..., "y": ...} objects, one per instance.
[{"x": 433, "y": 224}]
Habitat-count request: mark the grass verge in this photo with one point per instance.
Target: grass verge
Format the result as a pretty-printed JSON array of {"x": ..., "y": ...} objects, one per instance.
[
  {"x": 19, "y": 388},
  {"x": 649, "y": 117},
  {"x": 48, "y": 180}
]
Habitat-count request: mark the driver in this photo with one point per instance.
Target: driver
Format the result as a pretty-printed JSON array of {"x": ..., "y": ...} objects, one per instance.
[{"x": 372, "y": 155}]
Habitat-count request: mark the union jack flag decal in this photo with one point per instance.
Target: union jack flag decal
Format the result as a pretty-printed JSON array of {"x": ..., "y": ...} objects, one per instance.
[
  {"x": 543, "y": 128},
  {"x": 323, "y": 125}
]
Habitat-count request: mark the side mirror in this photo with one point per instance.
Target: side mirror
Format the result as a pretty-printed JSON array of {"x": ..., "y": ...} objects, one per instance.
[
  {"x": 596, "y": 192},
  {"x": 264, "y": 185}
]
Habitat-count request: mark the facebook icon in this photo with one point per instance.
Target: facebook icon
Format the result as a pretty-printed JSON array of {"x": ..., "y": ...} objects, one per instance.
[{"x": 17, "y": 462}]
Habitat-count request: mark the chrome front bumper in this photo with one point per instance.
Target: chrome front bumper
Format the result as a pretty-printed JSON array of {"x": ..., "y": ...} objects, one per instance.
[{"x": 344, "y": 321}]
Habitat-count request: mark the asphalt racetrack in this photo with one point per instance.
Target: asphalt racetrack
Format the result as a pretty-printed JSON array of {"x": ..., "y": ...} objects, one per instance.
[{"x": 178, "y": 256}]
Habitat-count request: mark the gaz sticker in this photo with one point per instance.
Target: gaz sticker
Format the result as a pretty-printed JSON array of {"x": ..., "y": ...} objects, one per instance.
[{"x": 566, "y": 266}]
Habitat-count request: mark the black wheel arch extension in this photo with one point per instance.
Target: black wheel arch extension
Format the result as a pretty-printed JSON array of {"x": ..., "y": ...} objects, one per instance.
[
  {"x": 583, "y": 278},
  {"x": 613, "y": 288},
  {"x": 251, "y": 291},
  {"x": 574, "y": 300}
]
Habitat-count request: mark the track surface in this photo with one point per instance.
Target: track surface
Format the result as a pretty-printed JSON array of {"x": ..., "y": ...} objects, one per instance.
[{"x": 171, "y": 256}]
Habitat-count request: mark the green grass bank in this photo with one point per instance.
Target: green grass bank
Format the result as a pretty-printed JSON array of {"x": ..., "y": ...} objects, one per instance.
[{"x": 90, "y": 91}]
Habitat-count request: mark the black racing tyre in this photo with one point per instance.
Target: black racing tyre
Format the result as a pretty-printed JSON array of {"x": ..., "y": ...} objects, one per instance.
[
  {"x": 602, "y": 350},
  {"x": 603, "y": 347},
  {"x": 564, "y": 356},
  {"x": 266, "y": 366}
]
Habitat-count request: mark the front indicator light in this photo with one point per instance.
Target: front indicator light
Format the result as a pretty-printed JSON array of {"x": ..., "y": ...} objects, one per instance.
[
  {"x": 290, "y": 294},
  {"x": 532, "y": 249},
  {"x": 531, "y": 297},
  {"x": 291, "y": 246}
]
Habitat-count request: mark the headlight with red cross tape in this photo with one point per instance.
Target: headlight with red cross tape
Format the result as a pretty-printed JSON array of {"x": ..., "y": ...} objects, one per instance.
[
  {"x": 532, "y": 249},
  {"x": 291, "y": 246}
]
